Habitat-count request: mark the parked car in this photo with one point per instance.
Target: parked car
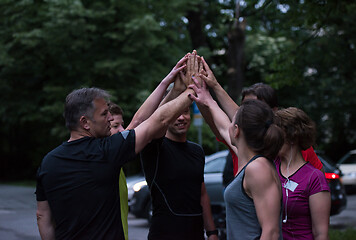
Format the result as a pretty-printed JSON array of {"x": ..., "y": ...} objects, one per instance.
[
  {"x": 334, "y": 177},
  {"x": 347, "y": 165},
  {"x": 139, "y": 199},
  {"x": 140, "y": 202}
]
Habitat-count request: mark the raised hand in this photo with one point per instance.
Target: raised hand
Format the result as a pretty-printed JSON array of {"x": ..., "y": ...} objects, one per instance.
[
  {"x": 192, "y": 68},
  {"x": 179, "y": 82},
  {"x": 207, "y": 75},
  {"x": 203, "y": 96},
  {"x": 180, "y": 66}
]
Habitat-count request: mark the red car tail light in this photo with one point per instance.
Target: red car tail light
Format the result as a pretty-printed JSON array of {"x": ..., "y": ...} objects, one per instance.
[{"x": 330, "y": 176}]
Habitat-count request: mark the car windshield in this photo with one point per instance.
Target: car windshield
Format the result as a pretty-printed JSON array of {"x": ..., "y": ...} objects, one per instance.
[
  {"x": 350, "y": 160},
  {"x": 215, "y": 166}
]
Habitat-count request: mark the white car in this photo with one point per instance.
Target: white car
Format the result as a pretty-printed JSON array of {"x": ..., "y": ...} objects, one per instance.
[{"x": 347, "y": 165}]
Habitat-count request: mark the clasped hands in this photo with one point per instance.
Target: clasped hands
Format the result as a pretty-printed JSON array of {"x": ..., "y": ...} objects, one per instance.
[{"x": 191, "y": 69}]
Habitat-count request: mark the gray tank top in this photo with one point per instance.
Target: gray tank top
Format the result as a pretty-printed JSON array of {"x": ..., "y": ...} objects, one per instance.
[{"x": 241, "y": 218}]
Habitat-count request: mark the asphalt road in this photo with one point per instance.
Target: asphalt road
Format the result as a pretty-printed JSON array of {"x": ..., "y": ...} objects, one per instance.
[{"x": 18, "y": 216}]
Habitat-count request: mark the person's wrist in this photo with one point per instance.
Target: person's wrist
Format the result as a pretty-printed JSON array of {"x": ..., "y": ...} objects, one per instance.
[
  {"x": 212, "y": 232},
  {"x": 216, "y": 85},
  {"x": 179, "y": 87}
]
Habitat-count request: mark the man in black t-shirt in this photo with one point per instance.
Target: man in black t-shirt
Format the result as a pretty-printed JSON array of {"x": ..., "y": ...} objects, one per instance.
[
  {"x": 77, "y": 182},
  {"x": 174, "y": 170}
]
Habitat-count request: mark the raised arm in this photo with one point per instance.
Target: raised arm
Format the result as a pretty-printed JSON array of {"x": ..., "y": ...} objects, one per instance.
[
  {"x": 153, "y": 101},
  {"x": 227, "y": 103},
  {"x": 218, "y": 116},
  {"x": 156, "y": 125}
]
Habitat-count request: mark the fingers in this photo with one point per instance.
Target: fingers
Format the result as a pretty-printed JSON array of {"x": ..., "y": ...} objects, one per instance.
[
  {"x": 204, "y": 78},
  {"x": 181, "y": 75},
  {"x": 206, "y": 66},
  {"x": 181, "y": 61},
  {"x": 200, "y": 65},
  {"x": 196, "y": 82},
  {"x": 196, "y": 65},
  {"x": 192, "y": 97},
  {"x": 194, "y": 87},
  {"x": 203, "y": 84},
  {"x": 181, "y": 68},
  {"x": 190, "y": 64}
]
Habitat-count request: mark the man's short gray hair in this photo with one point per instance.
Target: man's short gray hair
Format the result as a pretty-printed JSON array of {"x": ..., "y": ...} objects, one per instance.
[{"x": 80, "y": 102}]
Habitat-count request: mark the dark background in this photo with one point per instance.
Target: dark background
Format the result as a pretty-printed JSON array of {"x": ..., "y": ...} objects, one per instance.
[{"x": 304, "y": 49}]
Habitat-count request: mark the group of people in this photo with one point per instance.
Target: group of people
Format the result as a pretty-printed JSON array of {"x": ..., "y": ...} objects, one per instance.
[{"x": 278, "y": 189}]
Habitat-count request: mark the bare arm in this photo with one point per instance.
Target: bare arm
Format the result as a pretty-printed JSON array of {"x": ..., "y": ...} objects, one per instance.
[
  {"x": 319, "y": 204},
  {"x": 207, "y": 215},
  {"x": 262, "y": 185},
  {"x": 218, "y": 116},
  {"x": 153, "y": 101},
  {"x": 156, "y": 125},
  {"x": 227, "y": 103},
  {"x": 45, "y": 223}
]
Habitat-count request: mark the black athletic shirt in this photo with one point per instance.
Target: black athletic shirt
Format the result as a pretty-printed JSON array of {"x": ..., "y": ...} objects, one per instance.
[
  {"x": 174, "y": 172},
  {"x": 79, "y": 179}
]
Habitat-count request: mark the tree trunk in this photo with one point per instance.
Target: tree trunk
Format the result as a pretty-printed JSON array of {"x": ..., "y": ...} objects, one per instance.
[
  {"x": 195, "y": 29},
  {"x": 235, "y": 55}
]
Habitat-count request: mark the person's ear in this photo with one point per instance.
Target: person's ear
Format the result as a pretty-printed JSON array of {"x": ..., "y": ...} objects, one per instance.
[
  {"x": 84, "y": 123},
  {"x": 236, "y": 131}
]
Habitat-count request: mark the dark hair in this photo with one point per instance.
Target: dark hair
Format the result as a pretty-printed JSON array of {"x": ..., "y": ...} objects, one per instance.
[
  {"x": 256, "y": 119},
  {"x": 114, "y": 109},
  {"x": 263, "y": 92},
  {"x": 297, "y": 126},
  {"x": 80, "y": 102}
]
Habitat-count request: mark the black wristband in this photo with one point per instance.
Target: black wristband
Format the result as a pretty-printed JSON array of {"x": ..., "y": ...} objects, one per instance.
[{"x": 213, "y": 232}]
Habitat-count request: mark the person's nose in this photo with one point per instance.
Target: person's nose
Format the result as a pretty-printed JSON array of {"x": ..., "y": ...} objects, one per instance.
[
  {"x": 180, "y": 118},
  {"x": 110, "y": 117},
  {"x": 121, "y": 128}
]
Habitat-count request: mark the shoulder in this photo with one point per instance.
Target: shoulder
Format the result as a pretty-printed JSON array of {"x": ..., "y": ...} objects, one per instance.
[
  {"x": 261, "y": 176},
  {"x": 195, "y": 147},
  {"x": 260, "y": 169},
  {"x": 314, "y": 172},
  {"x": 317, "y": 180},
  {"x": 258, "y": 163}
]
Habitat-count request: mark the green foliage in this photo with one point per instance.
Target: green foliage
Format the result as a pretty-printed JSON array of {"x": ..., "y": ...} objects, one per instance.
[
  {"x": 304, "y": 49},
  {"x": 347, "y": 234}
]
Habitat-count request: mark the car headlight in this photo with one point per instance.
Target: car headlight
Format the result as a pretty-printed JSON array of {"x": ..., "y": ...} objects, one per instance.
[{"x": 137, "y": 187}]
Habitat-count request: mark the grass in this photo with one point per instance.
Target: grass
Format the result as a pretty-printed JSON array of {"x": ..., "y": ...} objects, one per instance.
[{"x": 344, "y": 234}]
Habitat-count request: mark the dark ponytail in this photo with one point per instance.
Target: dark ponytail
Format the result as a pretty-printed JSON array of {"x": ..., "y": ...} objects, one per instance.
[
  {"x": 273, "y": 141},
  {"x": 256, "y": 119}
]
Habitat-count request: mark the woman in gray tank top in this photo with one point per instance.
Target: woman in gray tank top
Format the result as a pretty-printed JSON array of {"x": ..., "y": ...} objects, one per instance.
[{"x": 253, "y": 199}]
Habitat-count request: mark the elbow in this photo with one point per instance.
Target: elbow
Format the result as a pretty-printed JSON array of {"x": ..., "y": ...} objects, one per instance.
[
  {"x": 272, "y": 233},
  {"x": 159, "y": 126},
  {"x": 39, "y": 215}
]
